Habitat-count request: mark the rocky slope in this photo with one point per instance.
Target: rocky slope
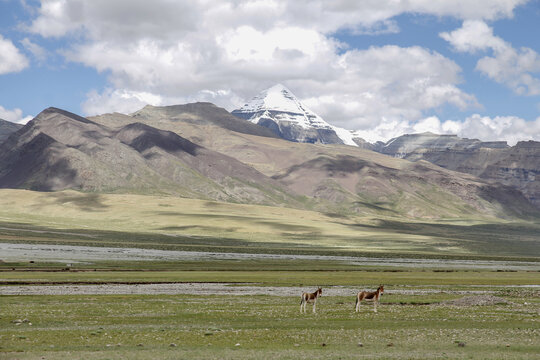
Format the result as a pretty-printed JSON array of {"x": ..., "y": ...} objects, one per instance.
[
  {"x": 419, "y": 189},
  {"x": 345, "y": 178},
  {"x": 7, "y": 128},
  {"x": 59, "y": 150},
  {"x": 517, "y": 166},
  {"x": 405, "y": 145}
]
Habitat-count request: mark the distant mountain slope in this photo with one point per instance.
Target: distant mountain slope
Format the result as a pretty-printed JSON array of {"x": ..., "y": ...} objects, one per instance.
[
  {"x": 200, "y": 113},
  {"x": 203, "y": 114},
  {"x": 7, "y": 128},
  {"x": 347, "y": 178},
  {"x": 202, "y": 123},
  {"x": 413, "y": 189},
  {"x": 49, "y": 153},
  {"x": 405, "y": 145},
  {"x": 237, "y": 181},
  {"x": 279, "y": 110},
  {"x": 517, "y": 166},
  {"x": 59, "y": 150}
]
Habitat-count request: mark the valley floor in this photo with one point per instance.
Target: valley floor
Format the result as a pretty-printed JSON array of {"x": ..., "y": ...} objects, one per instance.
[
  {"x": 88, "y": 276},
  {"x": 413, "y": 321}
]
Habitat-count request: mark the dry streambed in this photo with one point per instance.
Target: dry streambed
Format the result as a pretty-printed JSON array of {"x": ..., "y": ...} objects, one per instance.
[{"x": 73, "y": 254}]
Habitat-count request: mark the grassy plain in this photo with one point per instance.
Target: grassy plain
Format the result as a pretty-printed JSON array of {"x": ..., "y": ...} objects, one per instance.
[
  {"x": 413, "y": 321},
  {"x": 409, "y": 325},
  {"x": 75, "y": 218},
  {"x": 266, "y": 327}
]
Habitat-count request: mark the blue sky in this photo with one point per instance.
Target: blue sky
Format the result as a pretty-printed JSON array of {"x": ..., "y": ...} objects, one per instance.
[{"x": 382, "y": 70}]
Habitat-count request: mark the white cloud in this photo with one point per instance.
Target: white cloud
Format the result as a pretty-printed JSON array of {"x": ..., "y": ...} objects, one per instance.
[
  {"x": 508, "y": 128},
  {"x": 121, "y": 101},
  {"x": 509, "y": 66},
  {"x": 385, "y": 82},
  {"x": 226, "y": 51},
  {"x": 164, "y": 19},
  {"x": 126, "y": 101},
  {"x": 15, "y": 115},
  {"x": 353, "y": 90},
  {"x": 11, "y": 60},
  {"x": 474, "y": 35},
  {"x": 500, "y": 128},
  {"x": 39, "y": 52}
]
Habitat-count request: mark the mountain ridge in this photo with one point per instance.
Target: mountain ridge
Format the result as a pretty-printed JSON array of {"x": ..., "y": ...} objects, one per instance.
[
  {"x": 59, "y": 150},
  {"x": 517, "y": 166},
  {"x": 7, "y": 128},
  {"x": 313, "y": 170}
]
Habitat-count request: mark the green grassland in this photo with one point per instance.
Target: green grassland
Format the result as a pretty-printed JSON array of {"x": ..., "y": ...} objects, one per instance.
[
  {"x": 117, "y": 220},
  {"x": 265, "y": 327},
  {"x": 420, "y": 326}
]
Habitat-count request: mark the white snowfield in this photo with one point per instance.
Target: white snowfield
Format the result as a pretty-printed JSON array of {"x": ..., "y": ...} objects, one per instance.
[{"x": 280, "y": 105}]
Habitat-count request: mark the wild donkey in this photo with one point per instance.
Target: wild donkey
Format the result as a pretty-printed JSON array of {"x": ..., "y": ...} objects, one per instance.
[
  {"x": 310, "y": 297},
  {"x": 369, "y": 296}
]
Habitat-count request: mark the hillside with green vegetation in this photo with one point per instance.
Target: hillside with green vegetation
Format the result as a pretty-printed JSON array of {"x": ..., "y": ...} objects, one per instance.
[{"x": 123, "y": 220}]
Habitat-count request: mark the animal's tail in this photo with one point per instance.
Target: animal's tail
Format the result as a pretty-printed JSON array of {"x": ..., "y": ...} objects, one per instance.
[
  {"x": 356, "y": 303},
  {"x": 301, "y": 299}
]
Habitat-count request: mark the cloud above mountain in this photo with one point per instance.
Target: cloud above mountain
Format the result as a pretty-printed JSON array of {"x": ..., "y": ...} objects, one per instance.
[
  {"x": 225, "y": 51},
  {"x": 11, "y": 59},
  {"x": 512, "y": 67},
  {"x": 500, "y": 128},
  {"x": 238, "y": 47},
  {"x": 14, "y": 115}
]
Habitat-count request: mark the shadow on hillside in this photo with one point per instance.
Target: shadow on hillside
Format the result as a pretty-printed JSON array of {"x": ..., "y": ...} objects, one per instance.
[
  {"x": 492, "y": 238},
  {"x": 287, "y": 227},
  {"x": 375, "y": 206},
  {"x": 85, "y": 202},
  {"x": 92, "y": 237},
  {"x": 196, "y": 227},
  {"x": 203, "y": 216}
]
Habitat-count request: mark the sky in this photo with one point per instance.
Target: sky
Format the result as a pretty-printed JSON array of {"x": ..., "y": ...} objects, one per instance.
[{"x": 381, "y": 68}]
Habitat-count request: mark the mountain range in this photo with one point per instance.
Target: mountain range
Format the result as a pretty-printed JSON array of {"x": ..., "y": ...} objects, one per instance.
[
  {"x": 202, "y": 151},
  {"x": 517, "y": 166},
  {"x": 59, "y": 150},
  {"x": 494, "y": 161}
]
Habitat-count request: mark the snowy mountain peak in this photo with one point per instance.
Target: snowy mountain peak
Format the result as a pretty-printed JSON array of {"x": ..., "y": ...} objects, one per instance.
[
  {"x": 280, "y": 110},
  {"x": 280, "y": 99}
]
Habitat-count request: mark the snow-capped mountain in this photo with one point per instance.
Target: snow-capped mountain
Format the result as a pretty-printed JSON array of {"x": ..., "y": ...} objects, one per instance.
[{"x": 279, "y": 110}]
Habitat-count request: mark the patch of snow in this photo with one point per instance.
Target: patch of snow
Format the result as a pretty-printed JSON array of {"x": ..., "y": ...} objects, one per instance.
[{"x": 345, "y": 135}]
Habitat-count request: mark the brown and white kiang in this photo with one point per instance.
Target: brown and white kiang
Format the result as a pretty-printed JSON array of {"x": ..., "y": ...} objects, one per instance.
[
  {"x": 310, "y": 298},
  {"x": 369, "y": 296}
]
